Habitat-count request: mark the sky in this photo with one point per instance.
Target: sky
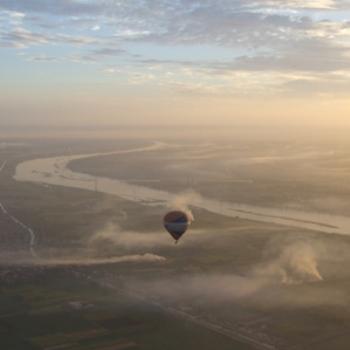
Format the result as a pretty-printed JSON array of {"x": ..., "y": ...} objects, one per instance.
[{"x": 174, "y": 62}]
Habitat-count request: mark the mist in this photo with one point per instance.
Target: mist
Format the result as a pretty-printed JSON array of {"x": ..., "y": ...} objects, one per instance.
[
  {"x": 113, "y": 235},
  {"x": 289, "y": 276},
  {"x": 296, "y": 263}
]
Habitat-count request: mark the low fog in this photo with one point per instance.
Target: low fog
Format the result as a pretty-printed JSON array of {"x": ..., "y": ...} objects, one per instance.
[
  {"x": 269, "y": 226},
  {"x": 293, "y": 277}
]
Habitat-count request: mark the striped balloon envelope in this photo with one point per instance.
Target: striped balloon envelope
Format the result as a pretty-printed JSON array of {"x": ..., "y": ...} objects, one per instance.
[{"x": 176, "y": 223}]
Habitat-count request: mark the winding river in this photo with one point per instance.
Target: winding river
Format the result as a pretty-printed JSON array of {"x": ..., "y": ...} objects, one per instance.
[{"x": 54, "y": 171}]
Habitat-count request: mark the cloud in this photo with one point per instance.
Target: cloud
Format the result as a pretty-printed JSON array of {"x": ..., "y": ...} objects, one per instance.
[
  {"x": 306, "y": 4},
  {"x": 63, "y": 7},
  {"x": 95, "y": 28},
  {"x": 224, "y": 23},
  {"x": 308, "y": 55},
  {"x": 335, "y": 85},
  {"x": 20, "y": 38},
  {"x": 104, "y": 52},
  {"x": 268, "y": 36},
  {"x": 42, "y": 58}
]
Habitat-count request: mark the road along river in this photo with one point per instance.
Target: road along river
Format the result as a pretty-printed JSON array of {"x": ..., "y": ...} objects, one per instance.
[
  {"x": 54, "y": 171},
  {"x": 30, "y": 231}
]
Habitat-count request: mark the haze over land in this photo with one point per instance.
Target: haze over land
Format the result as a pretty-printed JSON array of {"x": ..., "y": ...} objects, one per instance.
[{"x": 246, "y": 279}]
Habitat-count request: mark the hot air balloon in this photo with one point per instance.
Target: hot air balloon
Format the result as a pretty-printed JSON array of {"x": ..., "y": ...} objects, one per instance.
[{"x": 176, "y": 223}]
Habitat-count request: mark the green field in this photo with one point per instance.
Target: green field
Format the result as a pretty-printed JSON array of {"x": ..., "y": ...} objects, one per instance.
[{"x": 37, "y": 314}]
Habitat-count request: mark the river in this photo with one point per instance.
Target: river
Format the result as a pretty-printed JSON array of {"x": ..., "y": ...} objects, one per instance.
[{"x": 54, "y": 171}]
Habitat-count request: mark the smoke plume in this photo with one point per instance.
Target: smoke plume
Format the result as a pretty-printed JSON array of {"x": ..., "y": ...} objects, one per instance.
[
  {"x": 296, "y": 263},
  {"x": 182, "y": 202},
  {"x": 113, "y": 235},
  {"x": 134, "y": 258},
  {"x": 293, "y": 267}
]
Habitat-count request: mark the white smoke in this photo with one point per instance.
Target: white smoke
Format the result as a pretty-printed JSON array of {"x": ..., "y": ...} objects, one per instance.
[
  {"x": 294, "y": 266},
  {"x": 113, "y": 235},
  {"x": 296, "y": 263},
  {"x": 135, "y": 258},
  {"x": 132, "y": 258},
  {"x": 182, "y": 202}
]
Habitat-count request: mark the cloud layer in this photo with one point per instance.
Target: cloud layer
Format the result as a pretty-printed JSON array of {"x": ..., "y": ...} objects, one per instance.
[{"x": 200, "y": 47}]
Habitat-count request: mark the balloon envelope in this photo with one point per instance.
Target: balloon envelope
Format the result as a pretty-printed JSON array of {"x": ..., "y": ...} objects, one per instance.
[{"x": 176, "y": 223}]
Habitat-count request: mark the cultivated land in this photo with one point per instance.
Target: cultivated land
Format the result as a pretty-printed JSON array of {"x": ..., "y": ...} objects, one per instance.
[
  {"x": 60, "y": 309},
  {"x": 230, "y": 283}
]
